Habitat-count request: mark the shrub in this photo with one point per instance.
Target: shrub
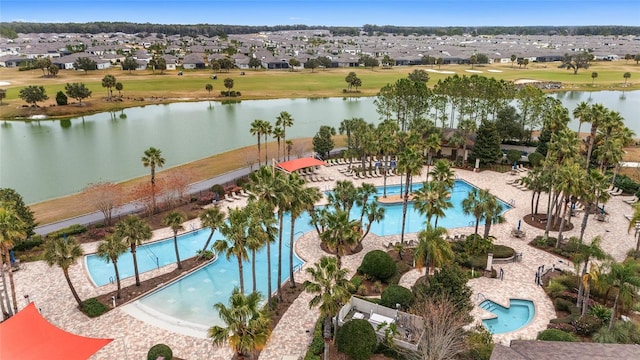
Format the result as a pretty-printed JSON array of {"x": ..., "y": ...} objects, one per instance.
[
  {"x": 513, "y": 155},
  {"x": 357, "y": 339},
  {"x": 205, "y": 255},
  {"x": 503, "y": 252},
  {"x": 357, "y": 282},
  {"x": 68, "y": 231},
  {"x": 317, "y": 343},
  {"x": 476, "y": 244},
  {"x": 601, "y": 312},
  {"x": 97, "y": 234},
  {"x": 556, "y": 335},
  {"x": 94, "y": 308},
  {"x": 35, "y": 240},
  {"x": 396, "y": 294},
  {"x": 377, "y": 264},
  {"x": 61, "y": 98},
  {"x": 160, "y": 350},
  {"x": 218, "y": 189},
  {"x": 535, "y": 158},
  {"x": 555, "y": 288},
  {"x": 587, "y": 325},
  {"x": 561, "y": 304},
  {"x": 401, "y": 268},
  {"x": 562, "y": 326},
  {"x": 480, "y": 343}
]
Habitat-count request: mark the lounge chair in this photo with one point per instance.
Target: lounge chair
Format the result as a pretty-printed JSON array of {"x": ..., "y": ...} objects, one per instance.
[
  {"x": 226, "y": 197},
  {"x": 616, "y": 192},
  {"x": 244, "y": 193},
  {"x": 235, "y": 196},
  {"x": 632, "y": 200}
]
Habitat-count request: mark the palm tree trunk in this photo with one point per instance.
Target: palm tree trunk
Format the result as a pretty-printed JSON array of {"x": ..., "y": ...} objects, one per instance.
[
  {"x": 6, "y": 313},
  {"x": 585, "y": 303},
  {"x": 585, "y": 219},
  {"x": 477, "y": 224},
  {"x": 240, "y": 273},
  {"x": 135, "y": 265},
  {"x": 615, "y": 309},
  {"x": 253, "y": 268},
  {"x": 564, "y": 216},
  {"x": 280, "y": 222},
  {"x": 269, "y": 273},
  {"x": 206, "y": 245},
  {"x": 175, "y": 246},
  {"x": 7, "y": 260},
  {"x": 292, "y": 280},
  {"x": 115, "y": 267},
  {"x": 404, "y": 210},
  {"x": 73, "y": 290}
]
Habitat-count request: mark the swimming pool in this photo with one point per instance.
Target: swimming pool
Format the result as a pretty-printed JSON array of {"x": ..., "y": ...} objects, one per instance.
[
  {"x": 518, "y": 314},
  {"x": 192, "y": 297}
]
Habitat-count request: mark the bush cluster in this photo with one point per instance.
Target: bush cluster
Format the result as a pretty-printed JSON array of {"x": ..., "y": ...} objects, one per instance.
[
  {"x": 561, "y": 326},
  {"x": 160, "y": 350},
  {"x": 357, "y": 282},
  {"x": 556, "y": 335},
  {"x": 94, "y": 308},
  {"x": 396, "y": 294},
  {"x": 357, "y": 339},
  {"x": 68, "y": 231},
  {"x": 503, "y": 252},
  {"x": 587, "y": 325},
  {"x": 601, "y": 312},
  {"x": 35, "y": 240},
  {"x": 377, "y": 264},
  {"x": 317, "y": 343}
]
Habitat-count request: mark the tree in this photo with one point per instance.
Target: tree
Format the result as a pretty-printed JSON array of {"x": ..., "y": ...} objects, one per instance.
[
  {"x": 584, "y": 253},
  {"x": 227, "y": 64},
  {"x": 208, "y": 87},
  {"x": 594, "y": 75},
  {"x": 43, "y": 63},
  {"x": 472, "y": 205},
  {"x": 444, "y": 333},
  {"x": 77, "y": 91},
  {"x": 433, "y": 250},
  {"x": 409, "y": 164},
  {"x": 625, "y": 277},
  {"x": 513, "y": 59},
  {"x": 473, "y": 59},
  {"x": 33, "y": 94},
  {"x": 129, "y": 64},
  {"x": 626, "y": 77},
  {"x": 53, "y": 70},
  {"x": 255, "y": 63},
  {"x": 311, "y": 64},
  {"x": 134, "y": 231},
  {"x": 487, "y": 147},
  {"x": 64, "y": 253},
  {"x": 228, "y": 84},
  {"x": 12, "y": 199},
  {"x": 419, "y": 75},
  {"x": 304, "y": 201},
  {"x": 11, "y": 230},
  {"x": 234, "y": 244},
  {"x": 85, "y": 63},
  {"x": 104, "y": 197},
  {"x": 331, "y": 290},
  {"x": 432, "y": 200},
  {"x": 247, "y": 326},
  {"x": 284, "y": 120},
  {"x": 119, "y": 87},
  {"x": 369, "y": 61},
  {"x": 152, "y": 158},
  {"x": 109, "y": 250},
  {"x": 174, "y": 220},
  {"x": 350, "y": 79},
  {"x": 323, "y": 140},
  {"x": 577, "y": 61},
  {"x": 212, "y": 218},
  {"x": 294, "y": 63},
  {"x": 261, "y": 128},
  {"x": 3, "y": 95},
  {"x": 109, "y": 81}
]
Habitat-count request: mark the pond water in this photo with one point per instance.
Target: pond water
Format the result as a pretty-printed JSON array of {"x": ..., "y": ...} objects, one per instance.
[{"x": 45, "y": 159}]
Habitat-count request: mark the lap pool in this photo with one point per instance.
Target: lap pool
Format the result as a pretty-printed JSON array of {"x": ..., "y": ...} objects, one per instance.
[{"x": 191, "y": 298}]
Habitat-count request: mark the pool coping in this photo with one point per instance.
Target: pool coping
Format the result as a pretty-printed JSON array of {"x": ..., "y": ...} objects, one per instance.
[{"x": 494, "y": 316}]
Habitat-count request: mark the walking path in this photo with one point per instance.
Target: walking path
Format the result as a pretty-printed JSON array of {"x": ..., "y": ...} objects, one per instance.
[{"x": 48, "y": 288}]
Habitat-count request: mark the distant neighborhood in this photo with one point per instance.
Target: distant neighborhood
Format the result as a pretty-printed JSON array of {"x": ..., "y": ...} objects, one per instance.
[{"x": 292, "y": 49}]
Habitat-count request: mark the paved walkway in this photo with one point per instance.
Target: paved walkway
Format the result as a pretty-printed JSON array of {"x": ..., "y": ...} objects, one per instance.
[{"x": 47, "y": 287}]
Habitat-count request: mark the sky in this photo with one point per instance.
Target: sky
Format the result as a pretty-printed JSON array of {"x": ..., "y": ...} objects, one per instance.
[{"x": 330, "y": 12}]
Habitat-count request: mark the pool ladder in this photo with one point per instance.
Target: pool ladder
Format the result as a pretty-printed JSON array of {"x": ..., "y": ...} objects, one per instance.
[{"x": 481, "y": 297}]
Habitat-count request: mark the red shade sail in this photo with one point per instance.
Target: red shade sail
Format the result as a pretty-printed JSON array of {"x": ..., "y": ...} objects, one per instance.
[
  {"x": 27, "y": 335},
  {"x": 297, "y": 164}
]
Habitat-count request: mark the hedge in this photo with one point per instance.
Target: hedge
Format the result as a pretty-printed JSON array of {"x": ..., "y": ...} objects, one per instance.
[
  {"x": 556, "y": 335},
  {"x": 68, "y": 231},
  {"x": 94, "y": 308}
]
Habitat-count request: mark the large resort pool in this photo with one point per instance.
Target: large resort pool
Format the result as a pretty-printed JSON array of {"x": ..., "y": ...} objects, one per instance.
[{"x": 191, "y": 298}]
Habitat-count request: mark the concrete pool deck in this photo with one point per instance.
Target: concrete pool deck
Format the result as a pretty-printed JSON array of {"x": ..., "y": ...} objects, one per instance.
[{"x": 133, "y": 338}]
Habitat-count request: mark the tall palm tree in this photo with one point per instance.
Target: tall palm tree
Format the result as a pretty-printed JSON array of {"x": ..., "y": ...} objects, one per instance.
[
  {"x": 625, "y": 276},
  {"x": 596, "y": 118},
  {"x": 593, "y": 194},
  {"x": 304, "y": 201},
  {"x": 410, "y": 164},
  {"x": 257, "y": 129},
  {"x": 387, "y": 146},
  {"x": 64, "y": 253},
  {"x": 212, "y": 218},
  {"x": 340, "y": 233},
  {"x": 284, "y": 120},
  {"x": 330, "y": 287},
  {"x": 11, "y": 230},
  {"x": 134, "y": 231},
  {"x": 261, "y": 231},
  {"x": 584, "y": 253},
  {"x": 491, "y": 211},
  {"x": 153, "y": 158},
  {"x": 432, "y": 144},
  {"x": 278, "y": 134},
  {"x": 248, "y": 327},
  {"x": 473, "y": 205},
  {"x": 432, "y": 200},
  {"x": 174, "y": 220},
  {"x": 235, "y": 243},
  {"x": 110, "y": 250},
  {"x": 433, "y": 250},
  {"x": 582, "y": 113},
  {"x": 442, "y": 173}
]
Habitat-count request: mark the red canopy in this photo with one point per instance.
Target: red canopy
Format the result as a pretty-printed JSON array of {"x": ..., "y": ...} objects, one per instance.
[
  {"x": 27, "y": 335},
  {"x": 298, "y": 164}
]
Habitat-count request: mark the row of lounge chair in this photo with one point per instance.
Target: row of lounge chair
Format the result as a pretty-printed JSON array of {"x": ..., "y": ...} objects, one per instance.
[
  {"x": 233, "y": 196},
  {"x": 367, "y": 174},
  {"x": 517, "y": 183},
  {"x": 317, "y": 178},
  {"x": 308, "y": 171},
  {"x": 519, "y": 168},
  {"x": 632, "y": 200},
  {"x": 614, "y": 191},
  {"x": 342, "y": 161}
]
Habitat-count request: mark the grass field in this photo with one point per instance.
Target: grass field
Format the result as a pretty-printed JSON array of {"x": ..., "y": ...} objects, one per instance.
[{"x": 144, "y": 87}]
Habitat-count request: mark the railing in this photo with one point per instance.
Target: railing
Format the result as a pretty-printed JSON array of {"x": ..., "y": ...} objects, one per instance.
[
  {"x": 297, "y": 268},
  {"x": 481, "y": 297},
  {"x": 512, "y": 202}
]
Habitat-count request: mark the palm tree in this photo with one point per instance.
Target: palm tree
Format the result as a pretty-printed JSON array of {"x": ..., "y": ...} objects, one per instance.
[
  {"x": 261, "y": 231},
  {"x": 212, "y": 218},
  {"x": 432, "y": 199},
  {"x": 304, "y": 201},
  {"x": 11, "y": 230},
  {"x": 340, "y": 233},
  {"x": 235, "y": 233},
  {"x": 109, "y": 250},
  {"x": 64, "y": 253},
  {"x": 330, "y": 287},
  {"x": 472, "y": 205},
  {"x": 258, "y": 128},
  {"x": 153, "y": 158},
  {"x": 284, "y": 120},
  {"x": 491, "y": 211},
  {"x": 582, "y": 113},
  {"x": 409, "y": 163},
  {"x": 247, "y": 326},
  {"x": 278, "y": 134},
  {"x": 174, "y": 220},
  {"x": 433, "y": 250},
  {"x": 442, "y": 173},
  {"x": 134, "y": 231},
  {"x": 432, "y": 144},
  {"x": 626, "y": 77},
  {"x": 625, "y": 276},
  {"x": 584, "y": 253}
]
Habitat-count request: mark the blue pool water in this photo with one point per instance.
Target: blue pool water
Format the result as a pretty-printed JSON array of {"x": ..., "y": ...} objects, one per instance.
[
  {"x": 518, "y": 314},
  {"x": 192, "y": 298}
]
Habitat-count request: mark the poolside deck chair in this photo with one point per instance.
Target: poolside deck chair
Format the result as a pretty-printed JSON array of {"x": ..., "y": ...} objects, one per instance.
[
  {"x": 616, "y": 192},
  {"x": 235, "y": 196},
  {"x": 244, "y": 193},
  {"x": 631, "y": 201},
  {"x": 226, "y": 197}
]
